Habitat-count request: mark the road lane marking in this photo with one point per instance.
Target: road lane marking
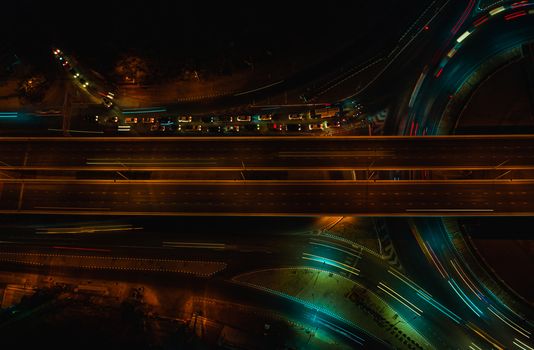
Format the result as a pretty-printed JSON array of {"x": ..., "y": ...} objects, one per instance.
[
  {"x": 451, "y": 210},
  {"x": 194, "y": 245},
  {"x": 72, "y": 208},
  {"x": 316, "y": 154}
]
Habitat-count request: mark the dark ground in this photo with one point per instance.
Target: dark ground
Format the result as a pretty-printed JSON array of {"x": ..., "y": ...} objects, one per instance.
[
  {"x": 215, "y": 37},
  {"x": 502, "y": 104},
  {"x": 506, "y": 245},
  {"x": 75, "y": 324}
]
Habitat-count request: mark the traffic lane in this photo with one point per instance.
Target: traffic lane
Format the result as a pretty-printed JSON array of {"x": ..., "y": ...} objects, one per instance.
[
  {"x": 213, "y": 288},
  {"x": 248, "y": 262},
  {"x": 489, "y": 41},
  {"x": 242, "y": 251},
  {"x": 284, "y": 197},
  {"x": 444, "y": 256},
  {"x": 421, "y": 313},
  {"x": 238, "y": 258},
  {"x": 376, "y": 275},
  {"x": 436, "y": 237},
  {"x": 444, "y": 294},
  {"x": 213, "y": 154}
]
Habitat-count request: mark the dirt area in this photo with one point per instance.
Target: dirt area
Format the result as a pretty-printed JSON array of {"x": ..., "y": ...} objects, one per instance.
[
  {"x": 510, "y": 259},
  {"x": 502, "y": 101},
  {"x": 87, "y": 313},
  {"x": 506, "y": 245}
]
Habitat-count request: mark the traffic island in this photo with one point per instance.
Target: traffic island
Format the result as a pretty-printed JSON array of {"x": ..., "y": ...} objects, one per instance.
[{"x": 352, "y": 302}]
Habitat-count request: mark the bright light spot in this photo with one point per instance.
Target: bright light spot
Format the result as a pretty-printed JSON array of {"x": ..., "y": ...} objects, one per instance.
[
  {"x": 496, "y": 11},
  {"x": 463, "y": 36}
]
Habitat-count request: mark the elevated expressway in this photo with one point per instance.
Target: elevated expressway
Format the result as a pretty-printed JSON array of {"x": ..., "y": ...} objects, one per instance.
[
  {"x": 502, "y": 152},
  {"x": 43, "y": 175}
]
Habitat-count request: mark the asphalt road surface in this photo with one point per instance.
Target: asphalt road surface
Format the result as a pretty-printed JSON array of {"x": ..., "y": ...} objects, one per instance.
[
  {"x": 268, "y": 153},
  {"x": 182, "y": 197}
]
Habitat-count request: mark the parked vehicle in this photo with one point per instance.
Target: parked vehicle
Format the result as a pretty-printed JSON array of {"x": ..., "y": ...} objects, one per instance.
[{"x": 244, "y": 118}]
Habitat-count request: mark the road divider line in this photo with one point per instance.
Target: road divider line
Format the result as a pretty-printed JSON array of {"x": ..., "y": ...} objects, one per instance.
[
  {"x": 328, "y": 154},
  {"x": 450, "y": 210},
  {"x": 194, "y": 245},
  {"x": 71, "y": 208},
  {"x": 78, "y": 131}
]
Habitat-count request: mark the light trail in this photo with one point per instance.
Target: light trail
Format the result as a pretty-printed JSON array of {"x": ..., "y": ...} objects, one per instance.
[
  {"x": 338, "y": 249},
  {"x": 331, "y": 262},
  {"x": 408, "y": 281},
  {"x": 509, "y": 322},
  {"x": 464, "y": 298},
  {"x": 466, "y": 280},
  {"x": 486, "y": 336},
  {"x": 441, "y": 308},
  {"x": 521, "y": 345},
  {"x": 399, "y": 298},
  {"x": 436, "y": 261}
]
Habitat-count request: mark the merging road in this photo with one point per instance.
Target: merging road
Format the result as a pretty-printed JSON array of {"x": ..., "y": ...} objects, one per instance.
[
  {"x": 485, "y": 42},
  {"x": 504, "y": 152},
  {"x": 242, "y": 252},
  {"x": 279, "y": 198}
]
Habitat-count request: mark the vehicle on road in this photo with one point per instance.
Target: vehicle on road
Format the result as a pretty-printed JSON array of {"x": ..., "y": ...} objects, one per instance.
[
  {"x": 185, "y": 119},
  {"x": 231, "y": 128},
  {"x": 327, "y": 112},
  {"x": 333, "y": 124},
  {"x": 215, "y": 129},
  {"x": 74, "y": 73},
  {"x": 48, "y": 112},
  {"x": 165, "y": 128},
  {"x": 107, "y": 102},
  {"x": 278, "y": 127},
  {"x": 83, "y": 82},
  {"x": 190, "y": 127},
  {"x": 244, "y": 118},
  {"x": 165, "y": 121},
  {"x": 316, "y": 127},
  {"x": 266, "y": 117}
]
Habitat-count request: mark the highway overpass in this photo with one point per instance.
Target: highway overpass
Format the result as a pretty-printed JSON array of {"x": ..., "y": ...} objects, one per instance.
[
  {"x": 288, "y": 198},
  {"x": 499, "y": 152}
]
